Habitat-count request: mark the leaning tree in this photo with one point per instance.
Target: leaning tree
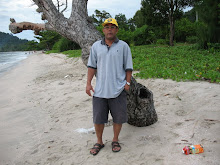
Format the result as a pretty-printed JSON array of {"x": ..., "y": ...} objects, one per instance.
[{"x": 80, "y": 29}]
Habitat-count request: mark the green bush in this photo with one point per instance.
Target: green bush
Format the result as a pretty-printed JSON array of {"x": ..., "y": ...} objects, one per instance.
[
  {"x": 125, "y": 36},
  {"x": 183, "y": 29},
  {"x": 161, "y": 42},
  {"x": 214, "y": 47},
  {"x": 144, "y": 35},
  {"x": 99, "y": 28},
  {"x": 47, "y": 39},
  {"x": 202, "y": 34},
  {"x": 65, "y": 44},
  {"x": 192, "y": 39}
]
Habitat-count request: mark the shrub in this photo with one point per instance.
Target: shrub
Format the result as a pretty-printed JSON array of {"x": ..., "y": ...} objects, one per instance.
[
  {"x": 65, "y": 44},
  {"x": 202, "y": 34},
  {"x": 183, "y": 29},
  {"x": 144, "y": 35},
  {"x": 192, "y": 39},
  {"x": 161, "y": 42},
  {"x": 125, "y": 35},
  {"x": 213, "y": 47}
]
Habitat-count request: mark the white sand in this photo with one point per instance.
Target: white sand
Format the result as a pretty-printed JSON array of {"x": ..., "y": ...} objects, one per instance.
[{"x": 46, "y": 119}]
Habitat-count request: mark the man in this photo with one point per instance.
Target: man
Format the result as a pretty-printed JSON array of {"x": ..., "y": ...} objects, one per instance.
[{"x": 111, "y": 60}]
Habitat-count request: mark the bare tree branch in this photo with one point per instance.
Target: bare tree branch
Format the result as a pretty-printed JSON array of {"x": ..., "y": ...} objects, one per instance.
[
  {"x": 58, "y": 5},
  {"x": 65, "y": 7},
  {"x": 19, "y": 27}
]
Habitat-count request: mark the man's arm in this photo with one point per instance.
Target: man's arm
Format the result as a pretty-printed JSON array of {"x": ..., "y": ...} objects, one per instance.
[
  {"x": 128, "y": 79},
  {"x": 91, "y": 73}
]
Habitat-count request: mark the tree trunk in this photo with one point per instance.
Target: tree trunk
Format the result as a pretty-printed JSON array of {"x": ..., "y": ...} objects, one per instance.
[
  {"x": 171, "y": 31},
  {"x": 80, "y": 29},
  {"x": 171, "y": 20},
  {"x": 141, "y": 111},
  {"x": 197, "y": 16}
]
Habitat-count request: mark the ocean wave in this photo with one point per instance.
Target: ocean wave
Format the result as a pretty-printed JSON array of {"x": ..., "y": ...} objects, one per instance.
[{"x": 10, "y": 59}]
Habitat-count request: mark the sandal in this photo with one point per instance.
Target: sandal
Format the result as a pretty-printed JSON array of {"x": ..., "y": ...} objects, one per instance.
[
  {"x": 116, "y": 145},
  {"x": 97, "y": 147}
]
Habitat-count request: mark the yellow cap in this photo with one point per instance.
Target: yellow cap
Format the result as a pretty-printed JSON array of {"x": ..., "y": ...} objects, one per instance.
[{"x": 110, "y": 20}]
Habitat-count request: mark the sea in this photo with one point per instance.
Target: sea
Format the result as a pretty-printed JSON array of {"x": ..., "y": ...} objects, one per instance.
[{"x": 8, "y": 60}]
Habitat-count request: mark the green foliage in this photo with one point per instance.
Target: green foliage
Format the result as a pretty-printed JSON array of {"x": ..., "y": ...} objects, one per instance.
[
  {"x": 160, "y": 14},
  {"x": 8, "y": 42},
  {"x": 179, "y": 63},
  {"x": 192, "y": 39},
  {"x": 73, "y": 53},
  {"x": 33, "y": 45},
  {"x": 131, "y": 24},
  {"x": 122, "y": 21},
  {"x": 52, "y": 51},
  {"x": 161, "y": 42},
  {"x": 47, "y": 39},
  {"x": 154, "y": 13},
  {"x": 209, "y": 16},
  {"x": 190, "y": 15},
  {"x": 99, "y": 17},
  {"x": 214, "y": 47},
  {"x": 202, "y": 34},
  {"x": 144, "y": 35},
  {"x": 125, "y": 35},
  {"x": 64, "y": 44},
  {"x": 99, "y": 28},
  {"x": 183, "y": 29},
  {"x": 219, "y": 14},
  {"x": 69, "y": 53},
  {"x": 138, "y": 19}
]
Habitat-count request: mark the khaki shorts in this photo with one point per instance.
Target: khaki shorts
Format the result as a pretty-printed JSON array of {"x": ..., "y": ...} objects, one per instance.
[{"x": 116, "y": 106}]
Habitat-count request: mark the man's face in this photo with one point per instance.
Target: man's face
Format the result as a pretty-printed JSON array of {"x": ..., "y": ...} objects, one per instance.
[{"x": 110, "y": 31}]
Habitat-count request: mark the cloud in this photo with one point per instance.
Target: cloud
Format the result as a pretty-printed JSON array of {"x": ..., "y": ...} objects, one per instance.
[
  {"x": 20, "y": 10},
  {"x": 114, "y": 7}
]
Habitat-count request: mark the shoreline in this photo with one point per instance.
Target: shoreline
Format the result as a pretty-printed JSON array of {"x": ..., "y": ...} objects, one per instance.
[
  {"x": 13, "y": 64},
  {"x": 43, "y": 103}
]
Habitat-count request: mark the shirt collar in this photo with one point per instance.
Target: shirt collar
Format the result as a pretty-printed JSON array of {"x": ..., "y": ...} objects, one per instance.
[{"x": 103, "y": 41}]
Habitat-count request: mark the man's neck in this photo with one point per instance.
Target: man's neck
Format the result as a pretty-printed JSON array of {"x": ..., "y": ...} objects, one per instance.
[{"x": 109, "y": 42}]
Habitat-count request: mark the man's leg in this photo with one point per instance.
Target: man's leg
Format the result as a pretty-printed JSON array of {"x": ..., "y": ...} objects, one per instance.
[
  {"x": 100, "y": 115},
  {"x": 116, "y": 130},
  {"x": 118, "y": 109},
  {"x": 99, "y": 128},
  {"x": 99, "y": 131}
]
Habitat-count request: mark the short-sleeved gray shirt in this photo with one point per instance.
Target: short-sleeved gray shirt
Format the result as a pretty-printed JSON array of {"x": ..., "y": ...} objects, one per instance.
[{"x": 111, "y": 64}]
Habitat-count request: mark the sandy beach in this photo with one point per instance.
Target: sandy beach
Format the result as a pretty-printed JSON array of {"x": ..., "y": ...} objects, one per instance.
[{"x": 46, "y": 119}]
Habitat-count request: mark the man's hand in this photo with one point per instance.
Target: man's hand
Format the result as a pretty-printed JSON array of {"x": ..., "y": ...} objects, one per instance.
[
  {"x": 127, "y": 87},
  {"x": 88, "y": 89},
  {"x": 91, "y": 73}
]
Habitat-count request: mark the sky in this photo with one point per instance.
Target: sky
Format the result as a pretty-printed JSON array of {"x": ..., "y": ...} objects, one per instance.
[{"x": 25, "y": 10}]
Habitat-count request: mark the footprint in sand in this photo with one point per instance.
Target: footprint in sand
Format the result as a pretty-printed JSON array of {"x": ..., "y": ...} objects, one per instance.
[
  {"x": 181, "y": 113},
  {"x": 208, "y": 123}
]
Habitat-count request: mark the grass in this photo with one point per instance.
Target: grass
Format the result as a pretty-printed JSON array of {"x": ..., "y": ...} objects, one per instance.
[
  {"x": 52, "y": 51},
  {"x": 179, "y": 63},
  {"x": 69, "y": 53},
  {"x": 73, "y": 53}
]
